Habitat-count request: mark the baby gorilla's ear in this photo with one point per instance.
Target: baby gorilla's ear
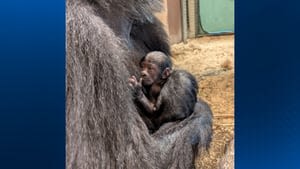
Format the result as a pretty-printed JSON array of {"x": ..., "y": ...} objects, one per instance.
[{"x": 166, "y": 73}]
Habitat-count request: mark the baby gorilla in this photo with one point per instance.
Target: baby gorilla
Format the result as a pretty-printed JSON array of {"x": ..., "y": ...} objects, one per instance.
[{"x": 162, "y": 94}]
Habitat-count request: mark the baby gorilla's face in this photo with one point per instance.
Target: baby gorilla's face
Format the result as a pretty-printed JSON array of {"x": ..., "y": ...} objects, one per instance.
[{"x": 150, "y": 72}]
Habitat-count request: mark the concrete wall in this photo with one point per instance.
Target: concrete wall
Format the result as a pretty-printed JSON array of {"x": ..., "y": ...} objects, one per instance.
[
  {"x": 174, "y": 20},
  {"x": 163, "y": 16},
  {"x": 171, "y": 18}
]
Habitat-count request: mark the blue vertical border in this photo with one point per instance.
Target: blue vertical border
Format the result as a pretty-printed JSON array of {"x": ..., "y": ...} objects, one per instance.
[
  {"x": 32, "y": 85},
  {"x": 267, "y": 84}
]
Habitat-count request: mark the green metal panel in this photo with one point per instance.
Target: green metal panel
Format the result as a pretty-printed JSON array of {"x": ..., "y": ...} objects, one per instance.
[{"x": 216, "y": 16}]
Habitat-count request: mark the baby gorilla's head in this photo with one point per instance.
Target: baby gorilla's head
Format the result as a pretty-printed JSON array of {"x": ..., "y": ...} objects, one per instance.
[{"x": 155, "y": 68}]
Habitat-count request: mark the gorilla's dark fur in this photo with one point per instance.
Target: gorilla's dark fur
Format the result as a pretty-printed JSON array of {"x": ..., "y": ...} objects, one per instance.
[
  {"x": 175, "y": 102},
  {"x": 105, "y": 41}
]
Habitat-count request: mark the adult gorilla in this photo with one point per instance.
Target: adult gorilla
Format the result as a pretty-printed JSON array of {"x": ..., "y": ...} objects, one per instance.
[{"x": 105, "y": 41}]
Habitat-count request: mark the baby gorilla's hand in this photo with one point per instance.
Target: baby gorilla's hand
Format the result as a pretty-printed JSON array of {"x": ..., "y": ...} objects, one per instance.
[{"x": 136, "y": 86}]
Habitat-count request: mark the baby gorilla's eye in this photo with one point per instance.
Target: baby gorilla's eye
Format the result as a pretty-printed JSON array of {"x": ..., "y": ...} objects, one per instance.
[
  {"x": 142, "y": 65},
  {"x": 152, "y": 67}
]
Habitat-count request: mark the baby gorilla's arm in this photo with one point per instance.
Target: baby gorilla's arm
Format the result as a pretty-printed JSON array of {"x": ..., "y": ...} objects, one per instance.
[
  {"x": 149, "y": 106},
  {"x": 140, "y": 96}
]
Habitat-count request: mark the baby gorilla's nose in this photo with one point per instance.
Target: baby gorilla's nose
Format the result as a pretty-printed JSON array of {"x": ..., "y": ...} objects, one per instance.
[{"x": 143, "y": 74}]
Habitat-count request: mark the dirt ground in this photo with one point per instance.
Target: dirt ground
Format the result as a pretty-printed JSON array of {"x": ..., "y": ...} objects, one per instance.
[{"x": 211, "y": 60}]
